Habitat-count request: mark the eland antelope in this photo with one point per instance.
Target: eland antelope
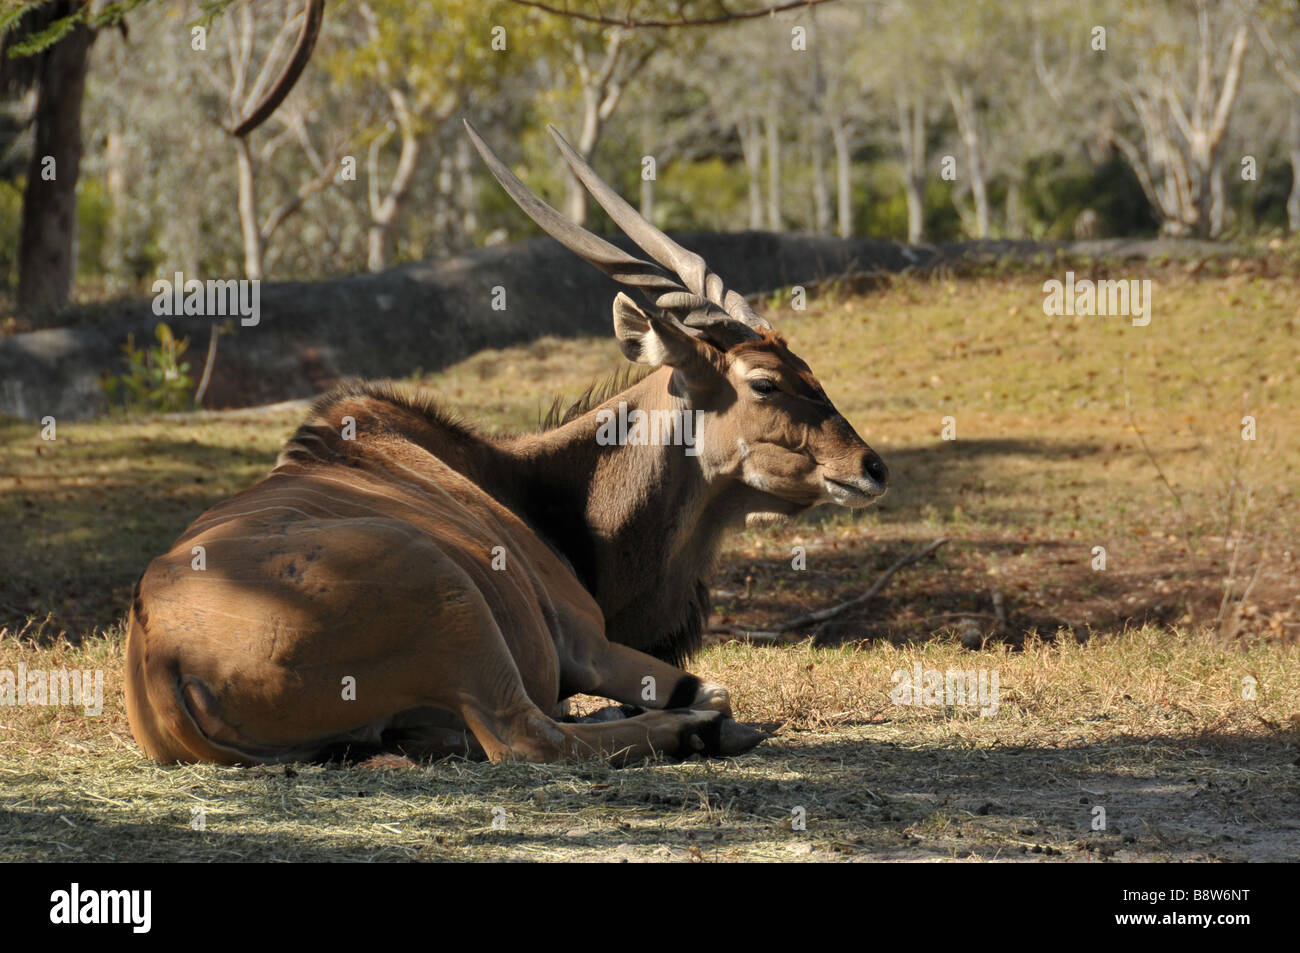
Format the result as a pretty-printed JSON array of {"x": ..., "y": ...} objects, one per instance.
[{"x": 402, "y": 582}]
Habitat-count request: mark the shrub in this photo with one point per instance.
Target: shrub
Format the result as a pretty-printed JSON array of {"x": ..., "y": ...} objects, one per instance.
[{"x": 156, "y": 378}]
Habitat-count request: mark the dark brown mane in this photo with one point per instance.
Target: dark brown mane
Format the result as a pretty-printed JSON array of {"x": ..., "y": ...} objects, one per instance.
[
  {"x": 597, "y": 392},
  {"x": 418, "y": 400},
  {"x": 424, "y": 401}
]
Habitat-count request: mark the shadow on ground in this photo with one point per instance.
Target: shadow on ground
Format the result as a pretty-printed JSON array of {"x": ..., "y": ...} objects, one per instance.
[{"x": 1209, "y": 796}]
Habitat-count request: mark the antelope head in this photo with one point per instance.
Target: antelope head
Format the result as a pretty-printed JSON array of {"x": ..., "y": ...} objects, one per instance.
[{"x": 764, "y": 419}]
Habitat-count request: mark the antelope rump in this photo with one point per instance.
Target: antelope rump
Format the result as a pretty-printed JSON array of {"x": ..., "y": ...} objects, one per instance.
[{"x": 401, "y": 582}]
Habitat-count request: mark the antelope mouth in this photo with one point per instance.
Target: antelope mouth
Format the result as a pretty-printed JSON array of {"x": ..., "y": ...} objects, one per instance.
[{"x": 857, "y": 492}]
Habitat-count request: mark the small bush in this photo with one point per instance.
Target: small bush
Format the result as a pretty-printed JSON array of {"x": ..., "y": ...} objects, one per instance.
[{"x": 156, "y": 379}]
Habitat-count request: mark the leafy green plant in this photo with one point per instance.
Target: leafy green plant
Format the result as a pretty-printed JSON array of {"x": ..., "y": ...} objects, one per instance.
[{"x": 156, "y": 378}]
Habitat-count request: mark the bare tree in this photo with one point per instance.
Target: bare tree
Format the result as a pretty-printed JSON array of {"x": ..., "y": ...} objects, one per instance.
[
  {"x": 384, "y": 205},
  {"x": 749, "y": 129},
  {"x": 603, "y": 77},
  {"x": 838, "y": 101},
  {"x": 977, "y": 67},
  {"x": 1181, "y": 117},
  {"x": 912, "y": 145},
  {"x": 815, "y": 129},
  {"x": 247, "y": 95},
  {"x": 772, "y": 138},
  {"x": 843, "y": 176},
  {"x": 1283, "y": 50},
  {"x": 739, "y": 95},
  {"x": 903, "y": 69},
  {"x": 961, "y": 95}
]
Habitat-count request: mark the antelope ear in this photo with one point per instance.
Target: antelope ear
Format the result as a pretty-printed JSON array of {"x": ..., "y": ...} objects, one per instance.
[{"x": 646, "y": 339}]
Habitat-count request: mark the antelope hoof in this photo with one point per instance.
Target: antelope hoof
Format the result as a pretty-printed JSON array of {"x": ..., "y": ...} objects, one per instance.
[
  {"x": 713, "y": 697},
  {"x": 723, "y": 737}
]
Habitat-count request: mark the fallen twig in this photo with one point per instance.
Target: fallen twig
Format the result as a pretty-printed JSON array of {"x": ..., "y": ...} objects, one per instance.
[
  {"x": 960, "y": 615},
  {"x": 821, "y": 615}
]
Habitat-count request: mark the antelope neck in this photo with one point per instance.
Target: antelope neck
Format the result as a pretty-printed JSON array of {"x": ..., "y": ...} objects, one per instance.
[{"x": 638, "y": 523}]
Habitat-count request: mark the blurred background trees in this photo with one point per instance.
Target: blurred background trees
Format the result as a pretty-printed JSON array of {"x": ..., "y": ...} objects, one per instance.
[{"x": 928, "y": 120}]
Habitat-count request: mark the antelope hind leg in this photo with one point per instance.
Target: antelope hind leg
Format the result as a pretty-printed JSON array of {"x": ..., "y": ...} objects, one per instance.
[{"x": 526, "y": 733}]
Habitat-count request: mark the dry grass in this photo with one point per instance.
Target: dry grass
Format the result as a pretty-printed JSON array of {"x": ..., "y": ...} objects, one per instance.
[{"x": 1150, "y": 725}]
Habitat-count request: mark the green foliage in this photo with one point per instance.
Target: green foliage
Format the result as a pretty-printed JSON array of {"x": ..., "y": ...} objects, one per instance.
[
  {"x": 942, "y": 223},
  {"x": 156, "y": 378},
  {"x": 699, "y": 195},
  {"x": 1261, "y": 205},
  {"x": 93, "y": 214},
  {"x": 880, "y": 206},
  {"x": 211, "y": 10},
  {"x": 1056, "y": 191},
  {"x": 437, "y": 53},
  {"x": 109, "y": 14},
  {"x": 11, "y": 211}
]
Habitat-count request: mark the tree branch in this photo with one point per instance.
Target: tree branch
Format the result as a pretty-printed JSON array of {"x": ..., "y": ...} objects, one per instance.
[
  {"x": 822, "y": 615},
  {"x": 1281, "y": 61},
  {"x": 1228, "y": 92},
  {"x": 312, "y": 16},
  {"x": 629, "y": 22},
  {"x": 305, "y": 191}
]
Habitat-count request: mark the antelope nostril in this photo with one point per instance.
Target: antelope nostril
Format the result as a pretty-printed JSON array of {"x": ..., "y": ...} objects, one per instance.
[{"x": 875, "y": 468}]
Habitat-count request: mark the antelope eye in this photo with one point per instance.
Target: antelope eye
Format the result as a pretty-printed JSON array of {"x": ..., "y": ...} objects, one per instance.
[{"x": 763, "y": 385}]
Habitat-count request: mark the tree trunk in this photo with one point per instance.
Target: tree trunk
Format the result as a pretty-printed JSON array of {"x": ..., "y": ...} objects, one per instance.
[
  {"x": 444, "y": 201},
  {"x": 751, "y": 147},
  {"x": 377, "y": 247},
  {"x": 913, "y": 190},
  {"x": 1015, "y": 218},
  {"x": 1183, "y": 131},
  {"x": 1293, "y": 200},
  {"x": 978, "y": 187},
  {"x": 773, "y": 172},
  {"x": 647, "y": 198},
  {"x": 963, "y": 107},
  {"x": 575, "y": 202},
  {"x": 468, "y": 191},
  {"x": 911, "y": 137},
  {"x": 248, "y": 227},
  {"x": 843, "y": 179},
  {"x": 114, "y": 256},
  {"x": 821, "y": 188},
  {"x": 385, "y": 211},
  {"x": 47, "y": 248},
  {"x": 1218, "y": 202}
]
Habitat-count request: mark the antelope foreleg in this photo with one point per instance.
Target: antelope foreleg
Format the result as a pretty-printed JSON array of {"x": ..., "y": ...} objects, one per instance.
[{"x": 634, "y": 678}]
